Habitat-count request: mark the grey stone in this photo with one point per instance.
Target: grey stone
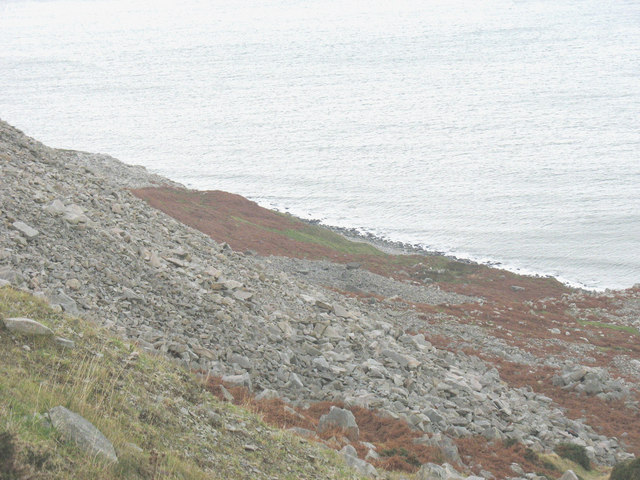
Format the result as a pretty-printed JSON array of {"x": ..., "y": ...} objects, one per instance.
[
  {"x": 63, "y": 342},
  {"x": 569, "y": 475},
  {"x": 341, "y": 419},
  {"x": 55, "y": 208},
  {"x": 226, "y": 394},
  {"x": 67, "y": 303},
  {"x": 10, "y": 275},
  {"x": 431, "y": 471},
  {"x": 242, "y": 295},
  {"x": 340, "y": 311},
  {"x": 517, "y": 469},
  {"x": 243, "y": 380},
  {"x": 240, "y": 360},
  {"x": 294, "y": 381},
  {"x": 26, "y": 326},
  {"x": 493, "y": 433},
  {"x": 267, "y": 394},
  {"x": 362, "y": 467},
  {"x": 446, "y": 446},
  {"x": 25, "y": 229},
  {"x": 574, "y": 375},
  {"x": 76, "y": 429}
]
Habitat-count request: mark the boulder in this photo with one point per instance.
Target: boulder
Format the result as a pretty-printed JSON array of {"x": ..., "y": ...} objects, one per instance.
[
  {"x": 26, "y": 326},
  {"x": 67, "y": 303},
  {"x": 569, "y": 475},
  {"x": 10, "y": 275},
  {"x": 341, "y": 419},
  {"x": 76, "y": 429},
  {"x": 243, "y": 380},
  {"x": 351, "y": 458}
]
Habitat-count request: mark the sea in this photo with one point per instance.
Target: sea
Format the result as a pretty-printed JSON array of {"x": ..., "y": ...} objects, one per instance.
[{"x": 501, "y": 131}]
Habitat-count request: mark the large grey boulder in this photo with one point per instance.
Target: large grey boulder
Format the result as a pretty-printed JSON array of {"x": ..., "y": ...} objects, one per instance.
[
  {"x": 340, "y": 419},
  {"x": 76, "y": 429},
  {"x": 26, "y": 326}
]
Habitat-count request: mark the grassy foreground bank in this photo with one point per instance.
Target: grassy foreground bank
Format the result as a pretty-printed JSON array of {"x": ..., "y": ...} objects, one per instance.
[{"x": 161, "y": 421}]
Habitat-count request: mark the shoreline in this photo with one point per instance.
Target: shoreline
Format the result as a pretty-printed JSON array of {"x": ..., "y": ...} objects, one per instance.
[{"x": 396, "y": 247}]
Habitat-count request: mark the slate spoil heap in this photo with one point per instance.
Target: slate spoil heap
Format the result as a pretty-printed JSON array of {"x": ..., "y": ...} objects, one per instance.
[{"x": 72, "y": 232}]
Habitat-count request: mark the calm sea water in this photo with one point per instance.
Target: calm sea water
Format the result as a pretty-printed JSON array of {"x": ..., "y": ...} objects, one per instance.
[{"x": 504, "y": 131}]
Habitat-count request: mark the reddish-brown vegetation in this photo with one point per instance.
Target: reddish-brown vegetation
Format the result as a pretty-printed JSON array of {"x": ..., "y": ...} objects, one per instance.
[
  {"x": 393, "y": 438},
  {"x": 610, "y": 418},
  {"x": 497, "y": 457},
  {"x": 233, "y": 219}
]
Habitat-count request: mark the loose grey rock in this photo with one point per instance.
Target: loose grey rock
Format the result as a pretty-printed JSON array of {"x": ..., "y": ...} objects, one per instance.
[
  {"x": 11, "y": 275},
  {"x": 267, "y": 394},
  {"x": 431, "y": 471},
  {"x": 67, "y": 303},
  {"x": 63, "y": 342},
  {"x": 26, "y": 326},
  {"x": 340, "y": 419},
  {"x": 55, "y": 208},
  {"x": 25, "y": 229},
  {"x": 362, "y": 467},
  {"x": 243, "y": 380},
  {"x": 76, "y": 429},
  {"x": 569, "y": 475}
]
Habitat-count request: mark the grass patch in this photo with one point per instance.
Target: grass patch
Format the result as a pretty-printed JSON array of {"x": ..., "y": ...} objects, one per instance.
[
  {"x": 161, "y": 421},
  {"x": 610, "y": 326},
  {"x": 575, "y": 453},
  {"x": 554, "y": 462},
  {"x": 318, "y": 235}
]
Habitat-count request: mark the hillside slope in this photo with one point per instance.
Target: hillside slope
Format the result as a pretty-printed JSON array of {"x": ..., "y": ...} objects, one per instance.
[{"x": 438, "y": 360}]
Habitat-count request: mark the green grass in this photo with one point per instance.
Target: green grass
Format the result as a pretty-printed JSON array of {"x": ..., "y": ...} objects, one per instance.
[
  {"x": 562, "y": 465},
  {"x": 135, "y": 400},
  {"x": 575, "y": 453},
  {"x": 318, "y": 235},
  {"x": 610, "y": 326}
]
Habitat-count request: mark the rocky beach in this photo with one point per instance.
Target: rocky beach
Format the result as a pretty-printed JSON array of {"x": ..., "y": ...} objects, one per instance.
[{"x": 410, "y": 363}]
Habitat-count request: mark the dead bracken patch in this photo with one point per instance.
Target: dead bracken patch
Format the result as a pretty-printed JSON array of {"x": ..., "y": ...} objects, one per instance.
[
  {"x": 610, "y": 418},
  {"x": 497, "y": 457},
  {"x": 393, "y": 438}
]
